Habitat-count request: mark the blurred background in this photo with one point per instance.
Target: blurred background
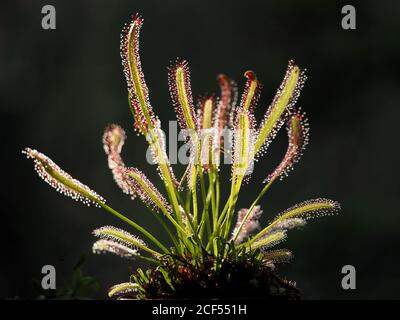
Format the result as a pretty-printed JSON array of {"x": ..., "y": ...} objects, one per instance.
[{"x": 60, "y": 88}]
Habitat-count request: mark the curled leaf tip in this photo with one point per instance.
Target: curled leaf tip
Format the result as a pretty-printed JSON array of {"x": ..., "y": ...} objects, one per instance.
[
  {"x": 252, "y": 91},
  {"x": 113, "y": 139},
  {"x": 250, "y": 75}
]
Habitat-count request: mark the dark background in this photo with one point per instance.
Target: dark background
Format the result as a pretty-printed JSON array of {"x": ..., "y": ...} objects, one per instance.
[{"x": 60, "y": 88}]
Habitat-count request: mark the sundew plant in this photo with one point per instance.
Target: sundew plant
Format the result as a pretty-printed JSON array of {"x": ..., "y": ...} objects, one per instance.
[{"x": 215, "y": 249}]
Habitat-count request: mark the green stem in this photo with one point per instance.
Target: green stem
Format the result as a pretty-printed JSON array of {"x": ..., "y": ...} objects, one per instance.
[
  {"x": 164, "y": 225},
  {"x": 195, "y": 209},
  {"x": 232, "y": 204},
  {"x": 213, "y": 200},
  {"x": 135, "y": 225},
  {"x": 219, "y": 223},
  {"x": 148, "y": 259},
  {"x": 260, "y": 195},
  {"x": 205, "y": 220},
  {"x": 174, "y": 222},
  {"x": 218, "y": 195},
  {"x": 184, "y": 176}
]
